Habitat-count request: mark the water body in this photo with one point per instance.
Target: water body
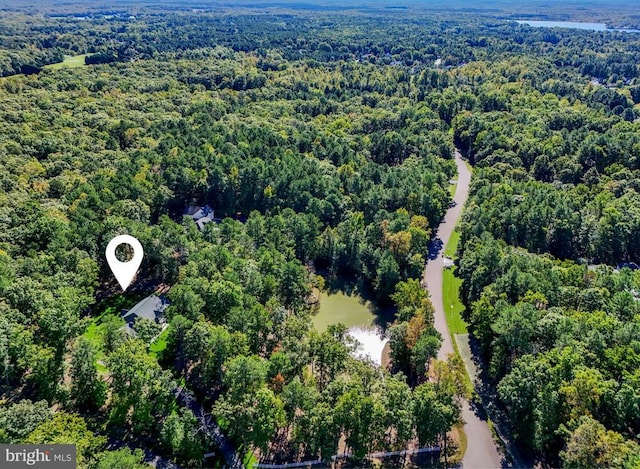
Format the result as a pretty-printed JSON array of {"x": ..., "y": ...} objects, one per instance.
[
  {"x": 371, "y": 343},
  {"x": 361, "y": 318},
  {"x": 574, "y": 25}
]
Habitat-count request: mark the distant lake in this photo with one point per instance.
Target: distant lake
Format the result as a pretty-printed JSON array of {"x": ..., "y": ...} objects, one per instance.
[{"x": 574, "y": 25}]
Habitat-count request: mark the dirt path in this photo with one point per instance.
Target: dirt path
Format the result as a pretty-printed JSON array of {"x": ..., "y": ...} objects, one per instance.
[
  {"x": 210, "y": 427},
  {"x": 482, "y": 452}
]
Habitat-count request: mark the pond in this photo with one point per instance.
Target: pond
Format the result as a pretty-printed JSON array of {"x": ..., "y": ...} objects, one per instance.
[{"x": 364, "y": 319}]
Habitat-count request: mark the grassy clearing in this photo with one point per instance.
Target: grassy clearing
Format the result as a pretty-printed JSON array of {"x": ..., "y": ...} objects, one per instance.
[
  {"x": 159, "y": 344},
  {"x": 452, "y": 245},
  {"x": 249, "y": 460},
  {"x": 70, "y": 61},
  {"x": 452, "y": 305},
  {"x": 111, "y": 307},
  {"x": 450, "y": 291}
]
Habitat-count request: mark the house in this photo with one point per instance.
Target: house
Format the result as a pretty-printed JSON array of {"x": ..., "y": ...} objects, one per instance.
[
  {"x": 151, "y": 308},
  {"x": 201, "y": 215}
]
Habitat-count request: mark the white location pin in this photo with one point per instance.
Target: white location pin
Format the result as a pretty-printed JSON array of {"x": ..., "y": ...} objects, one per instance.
[{"x": 124, "y": 271}]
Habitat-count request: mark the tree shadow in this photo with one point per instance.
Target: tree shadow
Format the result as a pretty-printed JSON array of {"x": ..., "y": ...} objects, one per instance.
[
  {"x": 487, "y": 399},
  {"x": 434, "y": 249}
]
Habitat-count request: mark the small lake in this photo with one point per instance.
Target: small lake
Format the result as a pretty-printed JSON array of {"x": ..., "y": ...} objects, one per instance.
[
  {"x": 363, "y": 318},
  {"x": 574, "y": 25}
]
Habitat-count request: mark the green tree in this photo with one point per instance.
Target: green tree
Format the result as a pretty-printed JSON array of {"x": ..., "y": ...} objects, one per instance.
[
  {"x": 387, "y": 276},
  {"x": 268, "y": 416},
  {"x": 146, "y": 330},
  {"x": 397, "y": 401},
  {"x": 361, "y": 419},
  {"x": 66, "y": 428},
  {"x": 88, "y": 391},
  {"x": 181, "y": 436},
  {"x": 328, "y": 352},
  {"x": 244, "y": 375},
  {"x": 591, "y": 445},
  {"x": 324, "y": 431},
  {"x": 433, "y": 416},
  {"x": 18, "y": 420},
  {"x": 253, "y": 419},
  {"x": 141, "y": 390},
  {"x": 120, "y": 459},
  {"x": 206, "y": 348}
]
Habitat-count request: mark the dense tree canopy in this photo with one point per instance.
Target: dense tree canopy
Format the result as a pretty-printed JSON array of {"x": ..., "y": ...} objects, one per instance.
[{"x": 324, "y": 143}]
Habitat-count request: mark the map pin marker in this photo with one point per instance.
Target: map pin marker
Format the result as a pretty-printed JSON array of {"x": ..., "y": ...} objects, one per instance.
[{"x": 124, "y": 271}]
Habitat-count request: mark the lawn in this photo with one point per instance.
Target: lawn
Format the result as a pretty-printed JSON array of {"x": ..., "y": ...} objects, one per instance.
[
  {"x": 105, "y": 309},
  {"x": 452, "y": 305},
  {"x": 249, "y": 460},
  {"x": 70, "y": 61},
  {"x": 450, "y": 289},
  {"x": 452, "y": 245},
  {"x": 159, "y": 344},
  {"x": 452, "y": 190}
]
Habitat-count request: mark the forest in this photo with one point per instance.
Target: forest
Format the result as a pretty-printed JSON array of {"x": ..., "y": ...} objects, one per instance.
[{"x": 324, "y": 141}]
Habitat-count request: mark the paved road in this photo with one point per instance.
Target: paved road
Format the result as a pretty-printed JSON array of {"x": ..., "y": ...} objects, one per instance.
[
  {"x": 433, "y": 270},
  {"x": 482, "y": 452}
]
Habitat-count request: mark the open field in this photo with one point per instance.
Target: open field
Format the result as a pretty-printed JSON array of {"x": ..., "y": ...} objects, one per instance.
[{"x": 70, "y": 61}]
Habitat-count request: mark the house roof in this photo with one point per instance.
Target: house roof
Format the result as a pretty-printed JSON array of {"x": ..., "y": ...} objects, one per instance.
[
  {"x": 198, "y": 212},
  {"x": 151, "y": 308},
  {"x": 203, "y": 221}
]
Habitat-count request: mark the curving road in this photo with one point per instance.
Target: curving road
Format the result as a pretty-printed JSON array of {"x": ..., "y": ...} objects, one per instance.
[{"x": 481, "y": 450}]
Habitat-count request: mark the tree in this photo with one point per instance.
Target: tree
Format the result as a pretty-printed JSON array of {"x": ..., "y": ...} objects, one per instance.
[
  {"x": 87, "y": 389},
  {"x": 18, "y": 420},
  {"x": 141, "y": 390},
  {"x": 114, "y": 334},
  {"x": 387, "y": 276},
  {"x": 244, "y": 375},
  {"x": 397, "y": 401},
  {"x": 45, "y": 372},
  {"x": 120, "y": 459},
  {"x": 328, "y": 352},
  {"x": 450, "y": 379},
  {"x": 298, "y": 397},
  {"x": 252, "y": 419},
  {"x": 434, "y": 415},
  {"x": 268, "y": 416},
  {"x": 66, "y": 428},
  {"x": 206, "y": 348},
  {"x": 222, "y": 296},
  {"x": 294, "y": 285},
  {"x": 323, "y": 431},
  {"x": 146, "y": 330},
  {"x": 185, "y": 301},
  {"x": 425, "y": 348},
  {"x": 591, "y": 445},
  {"x": 412, "y": 299},
  {"x": 361, "y": 419},
  {"x": 180, "y": 434},
  {"x": 400, "y": 353}
]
